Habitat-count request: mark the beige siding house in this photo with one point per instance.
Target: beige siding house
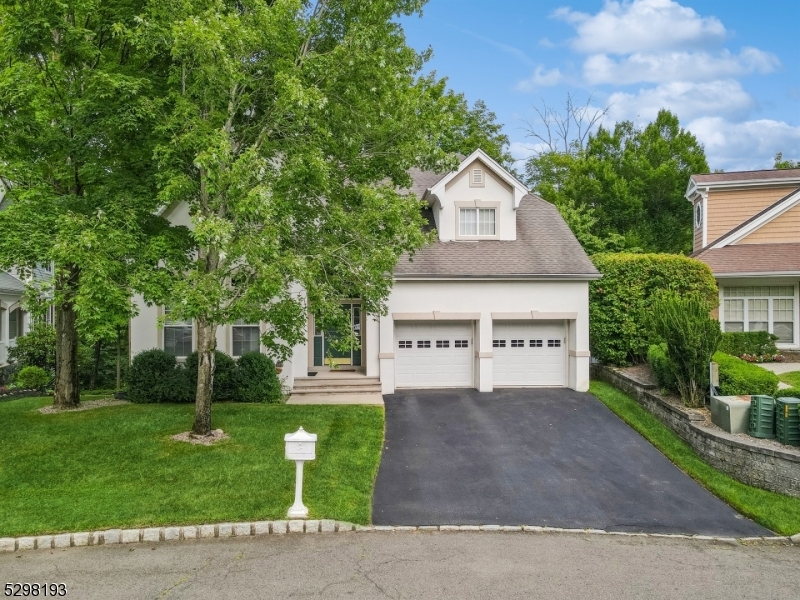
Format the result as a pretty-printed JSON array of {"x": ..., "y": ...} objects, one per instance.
[{"x": 747, "y": 229}]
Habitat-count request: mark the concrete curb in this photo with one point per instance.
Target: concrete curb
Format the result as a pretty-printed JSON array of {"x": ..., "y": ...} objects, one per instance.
[{"x": 152, "y": 535}]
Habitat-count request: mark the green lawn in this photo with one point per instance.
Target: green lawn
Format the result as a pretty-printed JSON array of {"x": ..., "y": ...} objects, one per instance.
[
  {"x": 117, "y": 467},
  {"x": 774, "y": 511},
  {"x": 792, "y": 378}
]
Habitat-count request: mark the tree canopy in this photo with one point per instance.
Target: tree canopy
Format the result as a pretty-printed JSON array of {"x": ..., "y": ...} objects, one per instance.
[{"x": 625, "y": 188}]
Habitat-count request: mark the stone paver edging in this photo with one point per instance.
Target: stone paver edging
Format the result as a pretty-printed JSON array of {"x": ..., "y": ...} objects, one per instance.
[{"x": 312, "y": 526}]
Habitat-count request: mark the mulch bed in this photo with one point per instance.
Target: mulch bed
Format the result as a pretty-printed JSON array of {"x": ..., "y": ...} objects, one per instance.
[
  {"x": 88, "y": 405},
  {"x": 217, "y": 435}
]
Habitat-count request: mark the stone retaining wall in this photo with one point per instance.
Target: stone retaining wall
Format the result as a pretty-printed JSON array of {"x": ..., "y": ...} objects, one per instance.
[{"x": 766, "y": 468}]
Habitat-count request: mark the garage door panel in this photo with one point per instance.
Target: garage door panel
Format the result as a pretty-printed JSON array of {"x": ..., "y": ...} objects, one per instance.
[
  {"x": 529, "y": 354},
  {"x": 433, "y": 354}
]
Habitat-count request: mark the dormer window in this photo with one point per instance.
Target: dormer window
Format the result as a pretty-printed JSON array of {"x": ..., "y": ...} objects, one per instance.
[
  {"x": 476, "y": 221},
  {"x": 476, "y": 178},
  {"x": 698, "y": 215}
]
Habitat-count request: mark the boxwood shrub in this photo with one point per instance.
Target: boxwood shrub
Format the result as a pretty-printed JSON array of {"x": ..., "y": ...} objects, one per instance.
[
  {"x": 156, "y": 376},
  {"x": 619, "y": 303},
  {"x": 738, "y": 377},
  {"x": 32, "y": 378},
  {"x": 788, "y": 393},
  {"x": 757, "y": 343}
]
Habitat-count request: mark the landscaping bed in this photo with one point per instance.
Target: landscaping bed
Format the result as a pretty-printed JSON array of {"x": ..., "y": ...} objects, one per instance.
[{"x": 118, "y": 467}]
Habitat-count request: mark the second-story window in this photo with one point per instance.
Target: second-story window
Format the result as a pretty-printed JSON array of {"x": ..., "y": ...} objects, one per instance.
[{"x": 476, "y": 221}]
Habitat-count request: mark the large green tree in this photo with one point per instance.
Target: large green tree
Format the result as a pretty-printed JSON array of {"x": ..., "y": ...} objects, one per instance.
[
  {"x": 476, "y": 127},
  {"x": 75, "y": 154},
  {"x": 290, "y": 126},
  {"x": 627, "y": 184}
]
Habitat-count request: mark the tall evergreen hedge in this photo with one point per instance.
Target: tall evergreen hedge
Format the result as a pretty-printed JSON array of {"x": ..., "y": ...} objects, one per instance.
[{"x": 619, "y": 303}]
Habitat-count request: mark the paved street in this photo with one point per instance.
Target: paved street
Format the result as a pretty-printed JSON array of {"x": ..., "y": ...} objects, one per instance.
[
  {"x": 416, "y": 565},
  {"x": 550, "y": 457}
]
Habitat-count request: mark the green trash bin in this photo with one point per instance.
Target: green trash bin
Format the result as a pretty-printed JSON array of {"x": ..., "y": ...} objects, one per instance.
[
  {"x": 787, "y": 421},
  {"x": 762, "y": 417}
]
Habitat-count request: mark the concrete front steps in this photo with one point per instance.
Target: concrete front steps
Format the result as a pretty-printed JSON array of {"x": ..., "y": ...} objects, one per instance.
[{"x": 337, "y": 388}]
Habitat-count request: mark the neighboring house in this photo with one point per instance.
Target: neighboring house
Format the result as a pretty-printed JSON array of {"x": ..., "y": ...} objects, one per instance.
[
  {"x": 13, "y": 320},
  {"x": 747, "y": 229},
  {"x": 501, "y": 299}
]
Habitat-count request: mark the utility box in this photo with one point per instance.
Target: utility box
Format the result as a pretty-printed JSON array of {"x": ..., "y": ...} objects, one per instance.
[
  {"x": 787, "y": 421},
  {"x": 762, "y": 417},
  {"x": 731, "y": 413}
]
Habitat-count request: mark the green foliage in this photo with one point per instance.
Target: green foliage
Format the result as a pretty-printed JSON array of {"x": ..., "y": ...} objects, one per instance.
[
  {"x": 662, "y": 369},
  {"x": 793, "y": 392},
  {"x": 748, "y": 342},
  {"x": 780, "y": 163},
  {"x": 32, "y": 378},
  {"x": 476, "y": 128},
  {"x": 156, "y": 377},
  {"x": 690, "y": 337},
  {"x": 36, "y": 348},
  {"x": 226, "y": 380},
  {"x": 257, "y": 379},
  {"x": 738, "y": 377},
  {"x": 792, "y": 378},
  {"x": 620, "y": 302},
  {"x": 629, "y": 183}
]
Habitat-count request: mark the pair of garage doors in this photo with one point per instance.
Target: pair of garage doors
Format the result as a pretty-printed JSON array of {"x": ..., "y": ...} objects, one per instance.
[{"x": 430, "y": 354}]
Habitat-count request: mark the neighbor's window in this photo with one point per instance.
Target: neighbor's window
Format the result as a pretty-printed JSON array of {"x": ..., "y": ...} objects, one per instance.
[
  {"x": 246, "y": 337},
  {"x": 760, "y": 308},
  {"x": 476, "y": 221},
  {"x": 15, "y": 324},
  {"x": 177, "y": 336}
]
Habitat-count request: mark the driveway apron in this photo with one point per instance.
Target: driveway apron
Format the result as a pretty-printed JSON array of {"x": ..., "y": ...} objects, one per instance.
[{"x": 549, "y": 457}]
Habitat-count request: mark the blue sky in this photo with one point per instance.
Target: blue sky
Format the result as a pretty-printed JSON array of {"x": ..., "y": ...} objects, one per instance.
[{"x": 730, "y": 70}]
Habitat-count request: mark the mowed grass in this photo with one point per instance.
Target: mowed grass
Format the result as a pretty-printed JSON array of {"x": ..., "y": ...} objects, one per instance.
[
  {"x": 776, "y": 512},
  {"x": 792, "y": 378},
  {"x": 117, "y": 466}
]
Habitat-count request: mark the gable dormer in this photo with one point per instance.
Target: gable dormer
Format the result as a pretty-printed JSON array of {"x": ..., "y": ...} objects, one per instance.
[{"x": 477, "y": 201}]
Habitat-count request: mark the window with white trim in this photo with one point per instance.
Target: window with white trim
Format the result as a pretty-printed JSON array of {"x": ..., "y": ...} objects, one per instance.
[
  {"x": 177, "y": 336},
  {"x": 246, "y": 338},
  {"x": 15, "y": 324},
  {"x": 698, "y": 215},
  {"x": 476, "y": 221},
  {"x": 760, "y": 308}
]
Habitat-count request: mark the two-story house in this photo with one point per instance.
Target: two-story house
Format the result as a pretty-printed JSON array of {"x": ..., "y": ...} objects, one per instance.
[
  {"x": 747, "y": 230},
  {"x": 500, "y": 299}
]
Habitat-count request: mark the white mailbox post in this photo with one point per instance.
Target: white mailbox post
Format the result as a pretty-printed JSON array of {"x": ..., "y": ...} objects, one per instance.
[{"x": 300, "y": 447}]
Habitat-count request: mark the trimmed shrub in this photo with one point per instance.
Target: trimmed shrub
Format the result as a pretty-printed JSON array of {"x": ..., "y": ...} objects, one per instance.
[
  {"x": 738, "y": 377},
  {"x": 757, "y": 343},
  {"x": 32, "y": 378},
  {"x": 258, "y": 380},
  {"x": 690, "y": 337},
  {"x": 619, "y": 303},
  {"x": 225, "y": 376},
  {"x": 657, "y": 359},
  {"x": 788, "y": 393},
  {"x": 156, "y": 376}
]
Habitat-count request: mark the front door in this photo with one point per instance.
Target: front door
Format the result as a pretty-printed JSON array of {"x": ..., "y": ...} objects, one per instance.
[{"x": 325, "y": 354}]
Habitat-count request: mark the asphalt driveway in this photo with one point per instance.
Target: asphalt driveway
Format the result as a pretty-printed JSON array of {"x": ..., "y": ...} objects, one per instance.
[{"x": 551, "y": 457}]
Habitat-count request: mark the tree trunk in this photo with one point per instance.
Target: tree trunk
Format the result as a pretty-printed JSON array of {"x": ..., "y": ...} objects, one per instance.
[
  {"x": 67, "y": 392},
  {"x": 119, "y": 357},
  {"x": 98, "y": 347},
  {"x": 206, "y": 345}
]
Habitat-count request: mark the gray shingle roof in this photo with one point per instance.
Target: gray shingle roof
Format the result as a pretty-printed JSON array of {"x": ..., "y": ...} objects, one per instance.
[
  {"x": 545, "y": 246},
  {"x": 776, "y": 174},
  {"x": 422, "y": 180},
  {"x": 9, "y": 283}
]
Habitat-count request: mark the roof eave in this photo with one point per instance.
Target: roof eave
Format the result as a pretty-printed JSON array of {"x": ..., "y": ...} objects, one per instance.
[{"x": 515, "y": 276}]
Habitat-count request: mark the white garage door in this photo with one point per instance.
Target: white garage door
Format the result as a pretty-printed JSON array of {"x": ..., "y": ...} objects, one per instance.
[
  {"x": 529, "y": 353},
  {"x": 430, "y": 355}
]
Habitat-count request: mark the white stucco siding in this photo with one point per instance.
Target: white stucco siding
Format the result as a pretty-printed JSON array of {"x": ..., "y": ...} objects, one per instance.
[
  {"x": 483, "y": 298},
  {"x": 459, "y": 191}
]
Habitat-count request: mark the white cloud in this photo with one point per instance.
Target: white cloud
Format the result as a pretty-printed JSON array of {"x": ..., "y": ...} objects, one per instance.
[
  {"x": 745, "y": 146},
  {"x": 676, "y": 66},
  {"x": 688, "y": 100},
  {"x": 640, "y": 26},
  {"x": 541, "y": 78}
]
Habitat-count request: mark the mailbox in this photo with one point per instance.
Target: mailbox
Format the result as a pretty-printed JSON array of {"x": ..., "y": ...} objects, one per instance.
[{"x": 300, "y": 445}]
